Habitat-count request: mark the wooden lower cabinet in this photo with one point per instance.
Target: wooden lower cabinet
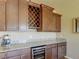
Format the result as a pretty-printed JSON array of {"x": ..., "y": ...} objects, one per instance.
[
  {"x": 48, "y": 53},
  {"x": 2, "y": 56},
  {"x": 61, "y": 50},
  {"x": 55, "y": 51},
  {"x": 19, "y": 54},
  {"x": 16, "y": 57},
  {"x": 26, "y": 54},
  {"x": 51, "y": 52},
  {"x": 20, "y": 57},
  {"x": 24, "y": 57}
]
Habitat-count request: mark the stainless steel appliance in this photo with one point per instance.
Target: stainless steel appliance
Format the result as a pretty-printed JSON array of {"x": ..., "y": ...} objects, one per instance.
[
  {"x": 38, "y": 52},
  {"x": 5, "y": 40}
]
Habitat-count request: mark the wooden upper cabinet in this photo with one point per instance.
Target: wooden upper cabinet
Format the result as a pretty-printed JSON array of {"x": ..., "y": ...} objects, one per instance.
[
  {"x": 2, "y": 16},
  {"x": 47, "y": 18},
  {"x": 51, "y": 22},
  {"x": 23, "y": 15},
  {"x": 12, "y": 15},
  {"x": 29, "y": 15},
  {"x": 57, "y": 23},
  {"x": 34, "y": 16}
]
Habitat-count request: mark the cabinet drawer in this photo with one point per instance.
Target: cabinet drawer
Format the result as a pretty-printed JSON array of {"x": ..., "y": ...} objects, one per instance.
[
  {"x": 62, "y": 44},
  {"x": 24, "y": 51},
  {"x": 16, "y": 57},
  {"x": 2, "y": 55},
  {"x": 13, "y": 53},
  {"x": 51, "y": 45}
]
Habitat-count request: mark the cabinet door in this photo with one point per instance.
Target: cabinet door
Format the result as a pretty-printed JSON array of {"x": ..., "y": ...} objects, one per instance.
[
  {"x": 2, "y": 56},
  {"x": 16, "y": 57},
  {"x": 25, "y": 57},
  {"x": 54, "y": 53},
  {"x": 57, "y": 22},
  {"x": 47, "y": 19},
  {"x": 2, "y": 16},
  {"x": 51, "y": 52},
  {"x": 12, "y": 15},
  {"x": 61, "y": 52},
  {"x": 23, "y": 15},
  {"x": 34, "y": 19},
  {"x": 26, "y": 53},
  {"x": 48, "y": 53}
]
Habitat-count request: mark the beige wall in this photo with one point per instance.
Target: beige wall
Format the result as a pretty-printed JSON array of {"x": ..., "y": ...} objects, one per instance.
[{"x": 69, "y": 9}]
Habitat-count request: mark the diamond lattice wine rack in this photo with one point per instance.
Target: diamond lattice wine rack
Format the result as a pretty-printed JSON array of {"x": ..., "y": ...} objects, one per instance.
[{"x": 34, "y": 17}]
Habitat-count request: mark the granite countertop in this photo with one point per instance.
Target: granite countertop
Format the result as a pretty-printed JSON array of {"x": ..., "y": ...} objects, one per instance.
[{"x": 29, "y": 44}]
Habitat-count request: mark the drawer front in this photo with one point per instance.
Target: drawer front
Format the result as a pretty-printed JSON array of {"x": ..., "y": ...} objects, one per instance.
[
  {"x": 51, "y": 45},
  {"x": 13, "y": 53},
  {"x": 25, "y": 51},
  {"x": 16, "y": 57},
  {"x": 2, "y": 55},
  {"x": 62, "y": 44}
]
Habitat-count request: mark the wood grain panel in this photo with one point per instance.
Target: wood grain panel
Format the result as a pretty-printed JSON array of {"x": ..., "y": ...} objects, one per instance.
[
  {"x": 13, "y": 53},
  {"x": 2, "y": 55},
  {"x": 51, "y": 51},
  {"x": 58, "y": 23},
  {"x": 61, "y": 50},
  {"x": 12, "y": 15},
  {"x": 23, "y": 15},
  {"x": 2, "y": 16},
  {"x": 16, "y": 57},
  {"x": 47, "y": 19}
]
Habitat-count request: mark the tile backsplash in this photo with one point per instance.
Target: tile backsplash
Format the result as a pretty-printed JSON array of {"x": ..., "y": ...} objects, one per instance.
[{"x": 23, "y": 37}]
